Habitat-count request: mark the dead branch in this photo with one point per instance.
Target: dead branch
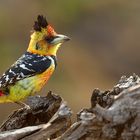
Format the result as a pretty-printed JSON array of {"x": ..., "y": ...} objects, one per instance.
[{"x": 114, "y": 114}]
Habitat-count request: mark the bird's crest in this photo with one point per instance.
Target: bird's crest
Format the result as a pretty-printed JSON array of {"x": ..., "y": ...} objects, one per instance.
[
  {"x": 40, "y": 23},
  {"x": 42, "y": 28}
]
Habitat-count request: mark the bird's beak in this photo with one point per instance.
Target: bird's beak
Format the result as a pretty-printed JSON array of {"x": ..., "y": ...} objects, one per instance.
[{"x": 60, "y": 39}]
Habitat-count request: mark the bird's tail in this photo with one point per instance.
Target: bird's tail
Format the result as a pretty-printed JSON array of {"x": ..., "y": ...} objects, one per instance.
[{"x": 3, "y": 97}]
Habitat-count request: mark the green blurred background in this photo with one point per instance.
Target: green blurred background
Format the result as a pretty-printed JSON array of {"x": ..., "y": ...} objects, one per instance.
[{"x": 104, "y": 43}]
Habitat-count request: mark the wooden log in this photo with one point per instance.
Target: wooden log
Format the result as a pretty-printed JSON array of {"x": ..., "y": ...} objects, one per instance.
[{"x": 114, "y": 114}]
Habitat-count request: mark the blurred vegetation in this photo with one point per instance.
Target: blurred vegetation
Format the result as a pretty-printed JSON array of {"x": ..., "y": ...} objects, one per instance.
[{"x": 104, "y": 43}]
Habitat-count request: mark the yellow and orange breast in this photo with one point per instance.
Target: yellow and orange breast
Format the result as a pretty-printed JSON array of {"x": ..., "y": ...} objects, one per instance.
[
  {"x": 44, "y": 77},
  {"x": 29, "y": 86}
]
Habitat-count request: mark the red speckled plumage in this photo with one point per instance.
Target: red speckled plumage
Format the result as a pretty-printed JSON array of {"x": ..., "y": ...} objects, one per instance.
[
  {"x": 1, "y": 93},
  {"x": 50, "y": 31}
]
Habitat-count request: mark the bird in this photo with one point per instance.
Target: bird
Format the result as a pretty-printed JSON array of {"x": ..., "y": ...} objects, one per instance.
[{"x": 32, "y": 70}]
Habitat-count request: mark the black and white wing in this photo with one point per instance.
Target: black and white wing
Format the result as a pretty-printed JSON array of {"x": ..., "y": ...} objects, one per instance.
[{"x": 26, "y": 66}]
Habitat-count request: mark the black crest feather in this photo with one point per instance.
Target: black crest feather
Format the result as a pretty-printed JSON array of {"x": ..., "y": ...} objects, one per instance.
[{"x": 40, "y": 23}]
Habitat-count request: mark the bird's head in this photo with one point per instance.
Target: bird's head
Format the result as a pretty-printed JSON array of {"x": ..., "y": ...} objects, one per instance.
[{"x": 44, "y": 40}]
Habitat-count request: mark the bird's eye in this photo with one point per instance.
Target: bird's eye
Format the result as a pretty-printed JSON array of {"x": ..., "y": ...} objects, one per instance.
[
  {"x": 37, "y": 47},
  {"x": 49, "y": 39}
]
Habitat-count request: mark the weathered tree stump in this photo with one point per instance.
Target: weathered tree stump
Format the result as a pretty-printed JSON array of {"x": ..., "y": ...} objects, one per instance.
[{"x": 114, "y": 115}]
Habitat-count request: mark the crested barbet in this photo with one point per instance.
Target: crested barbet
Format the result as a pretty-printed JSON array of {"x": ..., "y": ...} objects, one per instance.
[{"x": 32, "y": 70}]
